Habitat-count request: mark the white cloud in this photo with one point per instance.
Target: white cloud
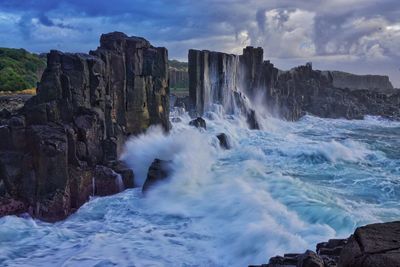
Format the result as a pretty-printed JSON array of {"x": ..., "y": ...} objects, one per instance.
[
  {"x": 340, "y": 32},
  {"x": 285, "y": 33}
]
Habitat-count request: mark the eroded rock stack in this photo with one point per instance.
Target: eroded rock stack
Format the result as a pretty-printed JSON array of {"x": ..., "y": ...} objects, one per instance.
[
  {"x": 289, "y": 94},
  {"x": 73, "y": 130}
]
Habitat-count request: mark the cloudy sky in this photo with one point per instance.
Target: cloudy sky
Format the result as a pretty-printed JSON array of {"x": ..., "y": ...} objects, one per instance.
[{"x": 360, "y": 36}]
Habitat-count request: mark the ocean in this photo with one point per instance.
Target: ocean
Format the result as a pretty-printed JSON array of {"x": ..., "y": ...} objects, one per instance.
[{"x": 280, "y": 189}]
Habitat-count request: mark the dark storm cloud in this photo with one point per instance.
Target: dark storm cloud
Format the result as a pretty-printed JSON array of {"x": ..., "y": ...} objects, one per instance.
[{"x": 337, "y": 32}]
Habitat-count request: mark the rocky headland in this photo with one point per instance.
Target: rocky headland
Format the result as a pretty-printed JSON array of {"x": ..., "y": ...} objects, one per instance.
[
  {"x": 63, "y": 146},
  {"x": 288, "y": 94}
]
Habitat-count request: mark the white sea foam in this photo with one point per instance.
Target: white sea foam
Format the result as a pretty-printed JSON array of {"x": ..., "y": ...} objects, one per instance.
[{"x": 281, "y": 189}]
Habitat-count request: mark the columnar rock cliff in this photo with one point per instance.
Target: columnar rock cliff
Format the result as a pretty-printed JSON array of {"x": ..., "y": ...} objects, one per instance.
[
  {"x": 289, "y": 94},
  {"x": 63, "y": 146},
  {"x": 178, "y": 78},
  {"x": 359, "y": 82},
  {"x": 218, "y": 78}
]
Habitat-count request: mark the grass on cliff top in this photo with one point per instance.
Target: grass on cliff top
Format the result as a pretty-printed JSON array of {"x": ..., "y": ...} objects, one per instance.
[{"x": 19, "y": 69}]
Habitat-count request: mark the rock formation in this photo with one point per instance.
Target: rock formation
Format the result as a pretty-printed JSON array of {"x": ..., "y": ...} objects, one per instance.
[
  {"x": 218, "y": 78},
  {"x": 369, "y": 246},
  {"x": 159, "y": 171},
  {"x": 199, "y": 122},
  {"x": 373, "y": 245},
  {"x": 223, "y": 141},
  {"x": 359, "y": 82},
  {"x": 63, "y": 146},
  {"x": 12, "y": 103},
  {"x": 178, "y": 79},
  {"x": 228, "y": 79}
]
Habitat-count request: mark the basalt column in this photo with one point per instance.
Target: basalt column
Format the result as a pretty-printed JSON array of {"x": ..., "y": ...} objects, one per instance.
[{"x": 65, "y": 143}]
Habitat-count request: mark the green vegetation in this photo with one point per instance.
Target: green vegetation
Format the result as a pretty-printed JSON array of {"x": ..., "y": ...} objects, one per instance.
[
  {"x": 183, "y": 66},
  {"x": 19, "y": 69}
]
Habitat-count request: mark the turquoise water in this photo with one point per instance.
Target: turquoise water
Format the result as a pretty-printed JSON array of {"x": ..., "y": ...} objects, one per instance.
[{"x": 280, "y": 189}]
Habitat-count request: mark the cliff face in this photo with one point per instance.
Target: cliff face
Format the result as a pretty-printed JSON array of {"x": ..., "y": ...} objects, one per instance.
[
  {"x": 64, "y": 144},
  {"x": 289, "y": 94},
  {"x": 216, "y": 78},
  {"x": 360, "y": 82},
  {"x": 178, "y": 78}
]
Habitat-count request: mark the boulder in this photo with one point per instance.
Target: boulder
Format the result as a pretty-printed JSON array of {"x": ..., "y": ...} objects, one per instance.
[
  {"x": 159, "y": 171},
  {"x": 252, "y": 120},
  {"x": 198, "y": 123},
  {"x": 223, "y": 141}
]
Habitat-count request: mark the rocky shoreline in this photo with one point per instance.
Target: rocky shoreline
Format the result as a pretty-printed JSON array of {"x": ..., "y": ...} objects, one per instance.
[
  {"x": 63, "y": 145},
  {"x": 370, "y": 246}
]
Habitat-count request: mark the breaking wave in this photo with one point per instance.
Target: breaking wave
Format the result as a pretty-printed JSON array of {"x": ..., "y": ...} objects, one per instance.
[{"x": 280, "y": 189}]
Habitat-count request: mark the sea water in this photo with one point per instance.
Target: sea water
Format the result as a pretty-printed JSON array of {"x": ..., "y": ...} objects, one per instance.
[{"x": 280, "y": 189}]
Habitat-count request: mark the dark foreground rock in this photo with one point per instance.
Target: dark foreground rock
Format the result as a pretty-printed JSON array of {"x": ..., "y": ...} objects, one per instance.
[
  {"x": 159, "y": 171},
  {"x": 370, "y": 246},
  {"x": 63, "y": 145},
  {"x": 373, "y": 245},
  {"x": 198, "y": 123}
]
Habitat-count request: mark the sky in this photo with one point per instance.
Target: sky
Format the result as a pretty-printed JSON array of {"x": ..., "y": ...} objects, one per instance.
[{"x": 358, "y": 36}]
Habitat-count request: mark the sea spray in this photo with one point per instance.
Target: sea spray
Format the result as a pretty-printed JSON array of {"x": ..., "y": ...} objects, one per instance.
[{"x": 276, "y": 190}]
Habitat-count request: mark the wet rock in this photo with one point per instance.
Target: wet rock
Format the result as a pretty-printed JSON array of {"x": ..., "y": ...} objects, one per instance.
[
  {"x": 159, "y": 171},
  {"x": 223, "y": 141},
  {"x": 287, "y": 260},
  {"x": 106, "y": 181},
  {"x": 370, "y": 245},
  {"x": 330, "y": 251},
  {"x": 198, "y": 123},
  {"x": 310, "y": 259},
  {"x": 373, "y": 245},
  {"x": 288, "y": 94},
  {"x": 252, "y": 120},
  {"x": 74, "y": 129},
  {"x": 126, "y": 173},
  {"x": 9, "y": 206}
]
